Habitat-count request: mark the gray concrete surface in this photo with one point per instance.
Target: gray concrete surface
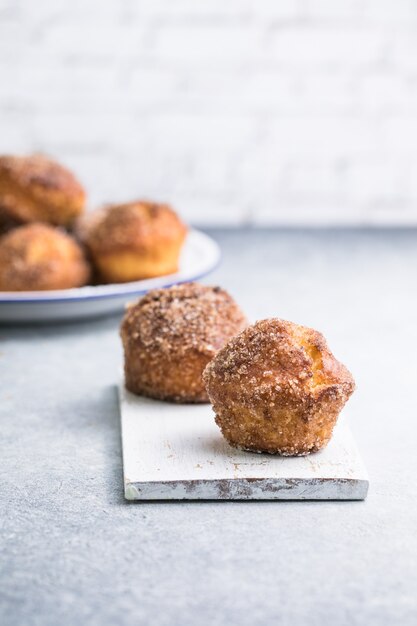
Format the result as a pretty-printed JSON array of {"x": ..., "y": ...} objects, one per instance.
[{"x": 73, "y": 552}]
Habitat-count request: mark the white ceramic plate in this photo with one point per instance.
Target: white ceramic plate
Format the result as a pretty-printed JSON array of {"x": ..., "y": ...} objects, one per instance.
[{"x": 199, "y": 256}]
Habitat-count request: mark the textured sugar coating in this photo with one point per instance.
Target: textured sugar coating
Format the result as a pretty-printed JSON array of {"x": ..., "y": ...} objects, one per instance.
[
  {"x": 35, "y": 188},
  {"x": 132, "y": 225},
  {"x": 40, "y": 257},
  {"x": 277, "y": 388},
  {"x": 133, "y": 241},
  {"x": 170, "y": 335}
]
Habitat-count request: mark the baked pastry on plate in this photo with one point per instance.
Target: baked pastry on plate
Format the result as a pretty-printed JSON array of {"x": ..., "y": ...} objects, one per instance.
[
  {"x": 37, "y": 189},
  {"x": 277, "y": 388},
  {"x": 133, "y": 241},
  {"x": 37, "y": 257},
  {"x": 170, "y": 335}
]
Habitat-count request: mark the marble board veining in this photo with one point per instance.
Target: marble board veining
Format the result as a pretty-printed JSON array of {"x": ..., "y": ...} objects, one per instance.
[{"x": 176, "y": 452}]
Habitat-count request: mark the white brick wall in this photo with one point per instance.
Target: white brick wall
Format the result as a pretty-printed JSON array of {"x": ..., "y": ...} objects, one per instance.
[{"x": 237, "y": 111}]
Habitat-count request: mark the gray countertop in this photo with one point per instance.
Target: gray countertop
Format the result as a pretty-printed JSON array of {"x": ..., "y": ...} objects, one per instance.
[{"x": 74, "y": 552}]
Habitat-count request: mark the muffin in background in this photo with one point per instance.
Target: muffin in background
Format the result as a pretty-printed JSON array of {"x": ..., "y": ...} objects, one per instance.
[
  {"x": 133, "y": 241},
  {"x": 38, "y": 257},
  {"x": 36, "y": 188}
]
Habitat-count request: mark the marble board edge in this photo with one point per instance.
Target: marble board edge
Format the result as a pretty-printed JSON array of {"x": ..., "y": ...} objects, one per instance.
[{"x": 241, "y": 488}]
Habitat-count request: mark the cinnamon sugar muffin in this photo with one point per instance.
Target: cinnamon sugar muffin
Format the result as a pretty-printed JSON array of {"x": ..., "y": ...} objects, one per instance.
[
  {"x": 40, "y": 257},
  {"x": 277, "y": 388},
  {"x": 133, "y": 241},
  {"x": 37, "y": 189},
  {"x": 170, "y": 335}
]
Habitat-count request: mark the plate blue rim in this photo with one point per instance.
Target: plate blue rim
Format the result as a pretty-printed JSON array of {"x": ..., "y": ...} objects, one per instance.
[{"x": 121, "y": 290}]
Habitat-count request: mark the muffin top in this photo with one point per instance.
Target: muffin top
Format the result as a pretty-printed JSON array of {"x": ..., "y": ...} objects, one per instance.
[
  {"x": 36, "y": 189},
  {"x": 276, "y": 357},
  {"x": 37, "y": 171},
  {"x": 135, "y": 225},
  {"x": 183, "y": 318}
]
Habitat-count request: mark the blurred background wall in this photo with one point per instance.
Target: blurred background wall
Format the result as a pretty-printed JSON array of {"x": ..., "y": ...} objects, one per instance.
[{"x": 237, "y": 111}]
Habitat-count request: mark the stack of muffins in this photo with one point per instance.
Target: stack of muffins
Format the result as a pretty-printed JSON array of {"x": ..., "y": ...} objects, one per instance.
[{"x": 47, "y": 242}]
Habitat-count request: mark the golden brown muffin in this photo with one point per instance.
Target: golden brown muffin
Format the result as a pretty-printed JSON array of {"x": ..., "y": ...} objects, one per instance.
[
  {"x": 133, "y": 241},
  {"x": 277, "y": 388},
  {"x": 37, "y": 189},
  {"x": 170, "y": 335},
  {"x": 40, "y": 257}
]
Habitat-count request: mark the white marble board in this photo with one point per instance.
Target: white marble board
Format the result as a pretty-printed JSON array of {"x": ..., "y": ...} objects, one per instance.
[{"x": 176, "y": 452}]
